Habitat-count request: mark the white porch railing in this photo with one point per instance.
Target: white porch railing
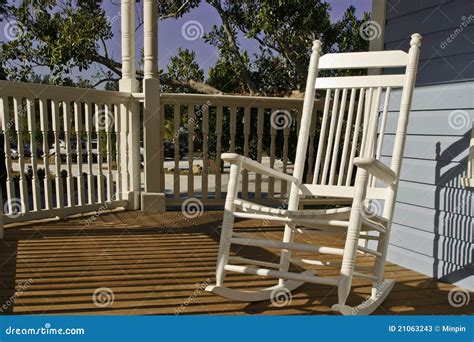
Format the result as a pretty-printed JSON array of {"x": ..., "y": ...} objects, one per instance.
[
  {"x": 65, "y": 150},
  {"x": 200, "y": 127},
  {"x": 69, "y": 150}
]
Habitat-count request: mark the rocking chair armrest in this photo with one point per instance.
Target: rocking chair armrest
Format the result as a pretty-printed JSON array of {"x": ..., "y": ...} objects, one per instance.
[
  {"x": 377, "y": 169},
  {"x": 252, "y": 165}
]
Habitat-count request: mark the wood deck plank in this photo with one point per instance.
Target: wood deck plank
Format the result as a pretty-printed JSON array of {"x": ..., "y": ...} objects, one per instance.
[{"x": 159, "y": 263}]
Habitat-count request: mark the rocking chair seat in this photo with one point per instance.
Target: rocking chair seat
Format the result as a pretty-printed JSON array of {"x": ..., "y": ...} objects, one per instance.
[{"x": 332, "y": 218}]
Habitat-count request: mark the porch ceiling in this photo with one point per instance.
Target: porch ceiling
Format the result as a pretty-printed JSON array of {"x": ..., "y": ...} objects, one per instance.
[{"x": 160, "y": 264}]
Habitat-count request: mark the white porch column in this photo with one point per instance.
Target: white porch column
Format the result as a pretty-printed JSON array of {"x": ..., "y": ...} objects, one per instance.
[
  {"x": 130, "y": 115},
  {"x": 153, "y": 198}
]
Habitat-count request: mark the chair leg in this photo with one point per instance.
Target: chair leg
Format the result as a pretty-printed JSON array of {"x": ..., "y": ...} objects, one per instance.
[
  {"x": 227, "y": 223},
  {"x": 352, "y": 239},
  {"x": 382, "y": 248},
  {"x": 285, "y": 255}
]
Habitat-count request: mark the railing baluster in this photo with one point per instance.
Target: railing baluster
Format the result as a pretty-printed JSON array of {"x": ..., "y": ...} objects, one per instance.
[
  {"x": 205, "y": 150},
  {"x": 233, "y": 128},
  {"x": 19, "y": 113},
  {"x": 108, "y": 130},
  {"x": 7, "y": 123},
  {"x": 100, "y": 175},
  {"x": 78, "y": 129},
  {"x": 161, "y": 153},
  {"x": 176, "y": 135},
  {"x": 57, "y": 155},
  {"x": 245, "y": 174},
  {"x": 124, "y": 147},
  {"x": 90, "y": 153},
  {"x": 286, "y": 135},
  {"x": 190, "y": 150},
  {"x": 118, "y": 162},
  {"x": 260, "y": 125},
  {"x": 347, "y": 137},
  {"x": 271, "y": 180},
  {"x": 44, "y": 126},
  {"x": 35, "y": 188},
  {"x": 67, "y": 140},
  {"x": 219, "y": 114}
]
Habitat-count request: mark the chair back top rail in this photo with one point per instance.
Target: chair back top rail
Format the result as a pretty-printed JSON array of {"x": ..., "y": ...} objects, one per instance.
[
  {"x": 363, "y": 60},
  {"x": 394, "y": 81}
]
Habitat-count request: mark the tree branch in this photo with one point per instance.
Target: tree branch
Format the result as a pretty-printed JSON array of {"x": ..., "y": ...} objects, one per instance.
[{"x": 234, "y": 48}]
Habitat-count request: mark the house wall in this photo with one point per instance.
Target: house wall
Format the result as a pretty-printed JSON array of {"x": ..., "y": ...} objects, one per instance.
[{"x": 433, "y": 225}]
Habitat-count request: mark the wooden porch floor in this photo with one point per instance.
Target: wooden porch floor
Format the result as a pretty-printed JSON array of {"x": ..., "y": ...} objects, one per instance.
[{"x": 160, "y": 264}]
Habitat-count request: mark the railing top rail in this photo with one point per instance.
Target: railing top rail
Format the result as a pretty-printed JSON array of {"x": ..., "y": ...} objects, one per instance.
[
  {"x": 232, "y": 100},
  {"x": 34, "y": 90}
]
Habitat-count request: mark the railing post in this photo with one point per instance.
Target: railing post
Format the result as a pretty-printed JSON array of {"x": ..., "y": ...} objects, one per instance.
[
  {"x": 153, "y": 198},
  {"x": 130, "y": 114}
]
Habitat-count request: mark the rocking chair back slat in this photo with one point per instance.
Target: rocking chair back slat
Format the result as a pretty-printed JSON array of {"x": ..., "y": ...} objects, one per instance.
[
  {"x": 347, "y": 137},
  {"x": 340, "y": 139},
  {"x": 322, "y": 135},
  {"x": 355, "y": 137},
  {"x": 337, "y": 139}
]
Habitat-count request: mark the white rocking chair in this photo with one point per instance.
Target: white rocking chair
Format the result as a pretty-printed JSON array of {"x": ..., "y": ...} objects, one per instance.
[{"x": 333, "y": 177}]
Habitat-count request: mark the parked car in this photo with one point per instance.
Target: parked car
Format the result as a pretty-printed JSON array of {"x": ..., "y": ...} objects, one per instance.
[{"x": 63, "y": 150}]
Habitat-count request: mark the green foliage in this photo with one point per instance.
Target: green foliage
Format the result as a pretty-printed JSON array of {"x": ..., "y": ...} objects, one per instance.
[
  {"x": 58, "y": 35},
  {"x": 183, "y": 68}
]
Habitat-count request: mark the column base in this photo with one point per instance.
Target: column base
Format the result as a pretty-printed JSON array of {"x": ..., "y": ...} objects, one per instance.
[{"x": 153, "y": 201}]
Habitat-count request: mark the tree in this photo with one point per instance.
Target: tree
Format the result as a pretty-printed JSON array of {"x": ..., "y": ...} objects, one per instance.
[
  {"x": 63, "y": 35},
  {"x": 284, "y": 27}
]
